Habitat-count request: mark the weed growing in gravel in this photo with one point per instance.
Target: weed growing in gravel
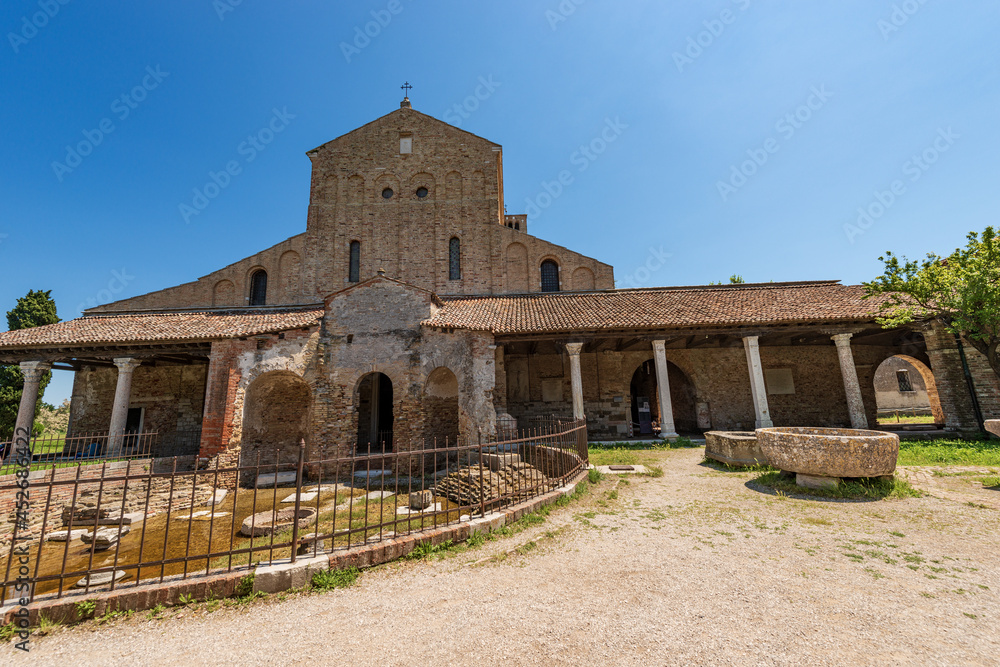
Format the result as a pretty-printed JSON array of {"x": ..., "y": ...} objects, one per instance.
[
  {"x": 852, "y": 489},
  {"x": 85, "y": 608},
  {"x": 327, "y": 580}
]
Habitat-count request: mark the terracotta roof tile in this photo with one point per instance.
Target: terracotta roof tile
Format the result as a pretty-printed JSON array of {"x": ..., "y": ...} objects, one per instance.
[
  {"x": 657, "y": 308},
  {"x": 158, "y": 327}
]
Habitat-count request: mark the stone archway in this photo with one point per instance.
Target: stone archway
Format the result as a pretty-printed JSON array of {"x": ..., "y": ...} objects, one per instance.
[
  {"x": 375, "y": 413},
  {"x": 916, "y": 391},
  {"x": 682, "y": 396},
  {"x": 275, "y": 418},
  {"x": 441, "y": 407}
]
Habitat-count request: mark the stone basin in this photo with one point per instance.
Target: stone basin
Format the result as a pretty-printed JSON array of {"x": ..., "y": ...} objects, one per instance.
[
  {"x": 993, "y": 426},
  {"x": 735, "y": 448},
  {"x": 265, "y": 523},
  {"x": 829, "y": 453}
]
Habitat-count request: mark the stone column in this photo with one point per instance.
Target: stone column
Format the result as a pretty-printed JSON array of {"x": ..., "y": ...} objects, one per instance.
[
  {"x": 576, "y": 378},
  {"x": 667, "y": 429},
  {"x": 757, "y": 387},
  {"x": 119, "y": 413},
  {"x": 32, "y": 371},
  {"x": 855, "y": 404}
]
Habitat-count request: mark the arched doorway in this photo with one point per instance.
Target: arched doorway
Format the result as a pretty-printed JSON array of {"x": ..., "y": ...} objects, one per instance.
[
  {"x": 441, "y": 408},
  {"x": 374, "y": 414},
  {"x": 275, "y": 418},
  {"x": 905, "y": 388},
  {"x": 643, "y": 389}
]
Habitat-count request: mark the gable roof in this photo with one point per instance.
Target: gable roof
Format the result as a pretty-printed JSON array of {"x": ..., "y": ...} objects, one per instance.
[
  {"x": 658, "y": 308},
  {"x": 160, "y": 327},
  {"x": 381, "y": 277},
  {"x": 402, "y": 111}
]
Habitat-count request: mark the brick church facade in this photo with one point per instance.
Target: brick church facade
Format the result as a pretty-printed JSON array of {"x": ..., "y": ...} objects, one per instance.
[{"x": 413, "y": 310}]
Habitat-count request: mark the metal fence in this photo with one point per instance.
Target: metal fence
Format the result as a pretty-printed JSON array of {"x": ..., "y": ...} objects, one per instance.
[
  {"x": 139, "y": 522},
  {"x": 53, "y": 450}
]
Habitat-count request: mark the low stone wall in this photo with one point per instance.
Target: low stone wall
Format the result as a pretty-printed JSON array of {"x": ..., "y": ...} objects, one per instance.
[
  {"x": 55, "y": 487},
  {"x": 735, "y": 448},
  {"x": 277, "y": 577},
  {"x": 552, "y": 461}
]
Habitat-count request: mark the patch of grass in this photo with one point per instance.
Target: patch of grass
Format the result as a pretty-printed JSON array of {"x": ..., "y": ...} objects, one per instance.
[
  {"x": 896, "y": 533},
  {"x": 46, "y": 625},
  {"x": 594, "y": 476},
  {"x": 875, "y": 573},
  {"x": 327, "y": 580},
  {"x": 949, "y": 451},
  {"x": 186, "y": 599},
  {"x": 426, "y": 549},
  {"x": 850, "y": 489},
  {"x": 155, "y": 611},
  {"x": 965, "y": 613},
  {"x": 654, "y": 471},
  {"x": 992, "y": 482},
  {"x": 7, "y": 632},
  {"x": 816, "y": 521}
]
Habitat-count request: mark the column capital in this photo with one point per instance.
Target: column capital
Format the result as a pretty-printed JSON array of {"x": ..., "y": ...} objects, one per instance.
[
  {"x": 842, "y": 339},
  {"x": 751, "y": 340},
  {"x": 574, "y": 348},
  {"x": 660, "y": 345},
  {"x": 32, "y": 370},
  {"x": 127, "y": 364}
]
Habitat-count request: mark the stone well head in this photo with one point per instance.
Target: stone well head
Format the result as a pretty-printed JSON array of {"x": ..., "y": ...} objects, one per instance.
[{"x": 830, "y": 452}]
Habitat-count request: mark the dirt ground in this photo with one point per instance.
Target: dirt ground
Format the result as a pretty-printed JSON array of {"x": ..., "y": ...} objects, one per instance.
[{"x": 695, "y": 567}]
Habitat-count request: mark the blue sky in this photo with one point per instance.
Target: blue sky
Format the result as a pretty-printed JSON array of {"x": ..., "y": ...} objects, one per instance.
[{"x": 698, "y": 140}]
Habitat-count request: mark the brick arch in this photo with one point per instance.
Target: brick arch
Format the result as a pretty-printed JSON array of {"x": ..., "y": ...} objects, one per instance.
[
  {"x": 384, "y": 181},
  {"x": 422, "y": 179},
  {"x": 583, "y": 279},
  {"x": 441, "y": 406},
  {"x": 276, "y": 417},
  {"x": 683, "y": 392},
  {"x": 248, "y": 279},
  {"x": 930, "y": 384},
  {"x": 224, "y": 294},
  {"x": 517, "y": 268}
]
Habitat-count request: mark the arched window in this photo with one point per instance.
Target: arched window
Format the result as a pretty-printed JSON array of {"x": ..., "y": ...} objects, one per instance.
[
  {"x": 354, "y": 271},
  {"x": 454, "y": 259},
  {"x": 550, "y": 276},
  {"x": 258, "y": 288}
]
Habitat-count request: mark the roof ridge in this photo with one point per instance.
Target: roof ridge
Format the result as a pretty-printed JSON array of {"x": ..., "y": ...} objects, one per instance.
[{"x": 675, "y": 288}]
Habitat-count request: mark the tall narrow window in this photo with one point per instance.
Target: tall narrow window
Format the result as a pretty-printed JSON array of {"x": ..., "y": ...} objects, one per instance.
[
  {"x": 550, "y": 276},
  {"x": 354, "y": 272},
  {"x": 258, "y": 288},
  {"x": 454, "y": 259},
  {"x": 903, "y": 379}
]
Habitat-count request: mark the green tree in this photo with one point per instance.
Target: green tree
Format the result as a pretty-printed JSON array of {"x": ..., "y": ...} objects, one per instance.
[
  {"x": 34, "y": 309},
  {"x": 733, "y": 280},
  {"x": 961, "y": 291}
]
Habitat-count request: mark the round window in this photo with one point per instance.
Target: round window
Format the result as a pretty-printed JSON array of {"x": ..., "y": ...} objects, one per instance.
[
  {"x": 421, "y": 192},
  {"x": 387, "y": 193}
]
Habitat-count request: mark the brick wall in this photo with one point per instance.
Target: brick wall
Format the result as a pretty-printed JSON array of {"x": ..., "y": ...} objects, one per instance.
[{"x": 172, "y": 398}]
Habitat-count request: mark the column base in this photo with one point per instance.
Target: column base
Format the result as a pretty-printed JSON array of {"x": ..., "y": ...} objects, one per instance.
[
  {"x": 669, "y": 436},
  {"x": 764, "y": 423}
]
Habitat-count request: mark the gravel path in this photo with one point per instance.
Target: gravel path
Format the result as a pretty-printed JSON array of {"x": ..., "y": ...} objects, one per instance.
[{"x": 696, "y": 566}]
